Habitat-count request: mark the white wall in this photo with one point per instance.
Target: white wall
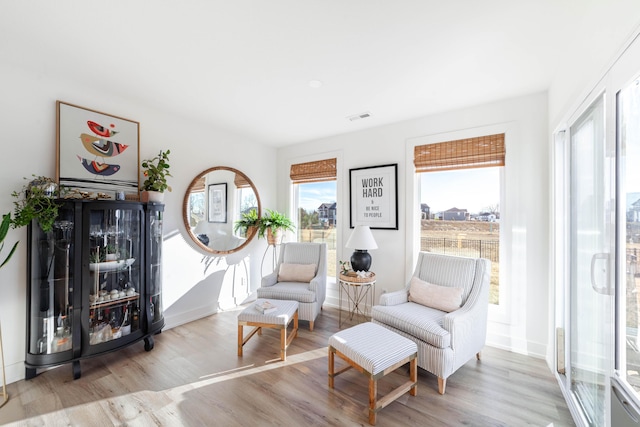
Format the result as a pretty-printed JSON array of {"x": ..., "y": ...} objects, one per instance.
[
  {"x": 607, "y": 25},
  {"x": 525, "y": 226},
  {"x": 27, "y": 108}
]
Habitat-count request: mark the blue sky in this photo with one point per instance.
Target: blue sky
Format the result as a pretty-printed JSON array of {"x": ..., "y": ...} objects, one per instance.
[
  {"x": 314, "y": 194},
  {"x": 470, "y": 189}
]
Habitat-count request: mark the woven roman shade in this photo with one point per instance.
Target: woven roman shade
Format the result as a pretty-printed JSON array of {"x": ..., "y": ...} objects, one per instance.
[
  {"x": 321, "y": 170},
  {"x": 478, "y": 152},
  {"x": 240, "y": 181}
]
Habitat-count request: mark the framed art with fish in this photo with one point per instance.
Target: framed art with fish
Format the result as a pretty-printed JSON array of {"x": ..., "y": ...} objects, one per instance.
[{"x": 98, "y": 154}]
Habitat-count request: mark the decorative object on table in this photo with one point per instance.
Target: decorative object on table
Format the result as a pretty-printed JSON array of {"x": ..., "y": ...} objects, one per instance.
[
  {"x": 374, "y": 196},
  {"x": 97, "y": 152},
  {"x": 36, "y": 200},
  {"x": 156, "y": 171},
  {"x": 361, "y": 240},
  {"x": 344, "y": 267},
  {"x": 272, "y": 223},
  {"x": 265, "y": 307},
  {"x": 217, "y": 207},
  {"x": 248, "y": 222}
]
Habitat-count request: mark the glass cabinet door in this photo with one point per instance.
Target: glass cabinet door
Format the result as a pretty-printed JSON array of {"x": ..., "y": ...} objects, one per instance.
[
  {"x": 115, "y": 265},
  {"x": 155, "y": 267},
  {"x": 52, "y": 285}
]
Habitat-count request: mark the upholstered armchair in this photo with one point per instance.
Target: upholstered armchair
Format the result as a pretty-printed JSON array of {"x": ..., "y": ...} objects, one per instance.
[
  {"x": 300, "y": 275},
  {"x": 443, "y": 309}
]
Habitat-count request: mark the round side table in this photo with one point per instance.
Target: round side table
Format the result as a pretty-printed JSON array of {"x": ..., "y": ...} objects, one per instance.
[{"x": 359, "y": 292}]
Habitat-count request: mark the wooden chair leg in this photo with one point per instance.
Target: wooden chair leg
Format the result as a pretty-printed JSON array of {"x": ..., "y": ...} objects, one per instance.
[
  {"x": 373, "y": 400},
  {"x": 442, "y": 384},
  {"x": 311, "y": 325},
  {"x": 478, "y": 355},
  {"x": 331, "y": 367}
]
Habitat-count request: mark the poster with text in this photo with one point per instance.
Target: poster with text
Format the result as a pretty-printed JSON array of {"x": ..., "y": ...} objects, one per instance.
[{"x": 374, "y": 196}]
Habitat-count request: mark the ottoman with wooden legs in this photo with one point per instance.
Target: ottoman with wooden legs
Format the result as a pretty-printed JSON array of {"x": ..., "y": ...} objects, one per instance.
[
  {"x": 374, "y": 351},
  {"x": 286, "y": 313}
]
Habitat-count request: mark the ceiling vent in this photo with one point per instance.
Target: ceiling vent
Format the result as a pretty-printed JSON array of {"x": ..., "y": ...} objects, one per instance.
[{"x": 360, "y": 116}]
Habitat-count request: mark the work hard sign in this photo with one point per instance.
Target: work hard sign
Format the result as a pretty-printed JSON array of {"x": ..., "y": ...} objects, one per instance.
[{"x": 374, "y": 196}]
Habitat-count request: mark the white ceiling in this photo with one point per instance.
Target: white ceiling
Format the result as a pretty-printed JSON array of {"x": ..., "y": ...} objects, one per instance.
[{"x": 245, "y": 65}]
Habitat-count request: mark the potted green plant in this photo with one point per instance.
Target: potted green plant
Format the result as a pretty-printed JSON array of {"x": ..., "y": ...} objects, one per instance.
[
  {"x": 248, "y": 222},
  {"x": 36, "y": 200},
  {"x": 156, "y": 171},
  {"x": 273, "y": 222}
]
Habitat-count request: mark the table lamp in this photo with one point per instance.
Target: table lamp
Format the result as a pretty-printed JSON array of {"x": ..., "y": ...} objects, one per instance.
[{"x": 361, "y": 240}]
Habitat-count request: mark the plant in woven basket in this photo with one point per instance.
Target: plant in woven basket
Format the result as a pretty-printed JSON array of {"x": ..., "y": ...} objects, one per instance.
[
  {"x": 247, "y": 220},
  {"x": 272, "y": 222}
]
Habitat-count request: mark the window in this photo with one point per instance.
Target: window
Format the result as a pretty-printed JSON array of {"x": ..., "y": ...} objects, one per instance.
[
  {"x": 246, "y": 200},
  {"x": 314, "y": 189},
  {"x": 460, "y": 199}
]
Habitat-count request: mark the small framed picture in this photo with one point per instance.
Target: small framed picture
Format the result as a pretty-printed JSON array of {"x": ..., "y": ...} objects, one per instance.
[
  {"x": 97, "y": 152},
  {"x": 217, "y": 202},
  {"x": 374, "y": 196}
]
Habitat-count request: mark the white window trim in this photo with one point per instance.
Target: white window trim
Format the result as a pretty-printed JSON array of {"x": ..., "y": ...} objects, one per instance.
[
  {"x": 497, "y": 313},
  {"x": 342, "y": 217}
]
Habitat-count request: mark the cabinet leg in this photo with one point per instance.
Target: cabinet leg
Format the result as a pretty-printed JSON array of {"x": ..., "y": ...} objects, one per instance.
[
  {"x": 76, "y": 369},
  {"x": 148, "y": 343},
  {"x": 30, "y": 373}
]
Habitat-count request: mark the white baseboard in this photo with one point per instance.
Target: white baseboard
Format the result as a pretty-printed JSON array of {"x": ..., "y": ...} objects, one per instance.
[{"x": 188, "y": 316}]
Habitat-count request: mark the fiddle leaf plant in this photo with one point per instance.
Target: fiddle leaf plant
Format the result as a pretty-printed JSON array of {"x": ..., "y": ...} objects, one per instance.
[
  {"x": 156, "y": 173},
  {"x": 4, "y": 229}
]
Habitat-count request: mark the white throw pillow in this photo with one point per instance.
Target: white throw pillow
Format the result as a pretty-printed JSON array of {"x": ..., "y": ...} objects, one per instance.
[
  {"x": 445, "y": 298},
  {"x": 296, "y": 272}
]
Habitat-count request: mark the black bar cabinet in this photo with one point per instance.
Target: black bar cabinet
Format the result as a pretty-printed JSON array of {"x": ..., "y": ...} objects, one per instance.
[{"x": 94, "y": 282}]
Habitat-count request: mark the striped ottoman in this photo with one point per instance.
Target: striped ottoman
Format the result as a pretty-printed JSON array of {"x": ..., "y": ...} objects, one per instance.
[
  {"x": 287, "y": 311},
  {"x": 375, "y": 351}
]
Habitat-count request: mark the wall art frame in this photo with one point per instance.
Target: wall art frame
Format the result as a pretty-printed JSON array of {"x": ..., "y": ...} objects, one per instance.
[
  {"x": 217, "y": 207},
  {"x": 373, "y": 200},
  {"x": 97, "y": 153}
]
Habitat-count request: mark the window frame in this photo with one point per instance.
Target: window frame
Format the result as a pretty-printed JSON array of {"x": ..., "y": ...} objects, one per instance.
[{"x": 500, "y": 313}]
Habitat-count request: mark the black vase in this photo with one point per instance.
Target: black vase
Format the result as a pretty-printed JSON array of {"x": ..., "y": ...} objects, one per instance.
[{"x": 360, "y": 260}]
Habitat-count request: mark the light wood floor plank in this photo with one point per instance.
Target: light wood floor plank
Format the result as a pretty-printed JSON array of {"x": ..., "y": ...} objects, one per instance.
[{"x": 193, "y": 377}]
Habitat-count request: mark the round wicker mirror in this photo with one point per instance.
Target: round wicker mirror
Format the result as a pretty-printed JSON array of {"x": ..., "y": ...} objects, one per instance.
[{"x": 215, "y": 200}]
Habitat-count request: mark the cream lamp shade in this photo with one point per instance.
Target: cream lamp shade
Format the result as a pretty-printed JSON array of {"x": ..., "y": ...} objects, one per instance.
[{"x": 361, "y": 240}]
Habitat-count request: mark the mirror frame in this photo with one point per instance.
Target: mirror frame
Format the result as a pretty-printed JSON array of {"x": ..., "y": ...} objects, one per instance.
[{"x": 185, "y": 215}]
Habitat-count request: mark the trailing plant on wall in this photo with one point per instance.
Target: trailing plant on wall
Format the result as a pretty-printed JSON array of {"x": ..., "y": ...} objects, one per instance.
[{"x": 36, "y": 200}]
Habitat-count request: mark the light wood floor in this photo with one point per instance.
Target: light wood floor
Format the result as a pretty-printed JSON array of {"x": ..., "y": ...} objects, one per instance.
[{"x": 193, "y": 377}]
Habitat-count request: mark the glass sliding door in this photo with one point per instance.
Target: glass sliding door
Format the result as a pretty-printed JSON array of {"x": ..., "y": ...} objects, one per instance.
[
  {"x": 628, "y": 313},
  {"x": 590, "y": 263}
]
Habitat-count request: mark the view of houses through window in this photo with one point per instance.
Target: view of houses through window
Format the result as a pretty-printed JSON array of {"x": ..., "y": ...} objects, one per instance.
[
  {"x": 316, "y": 207},
  {"x": 460, "y": 215}
]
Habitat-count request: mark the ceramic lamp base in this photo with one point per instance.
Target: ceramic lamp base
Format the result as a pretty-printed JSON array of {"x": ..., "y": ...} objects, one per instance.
[{"x": 360, "y": 260}]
